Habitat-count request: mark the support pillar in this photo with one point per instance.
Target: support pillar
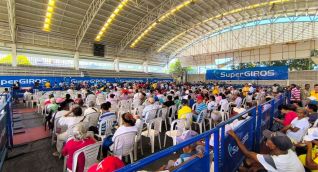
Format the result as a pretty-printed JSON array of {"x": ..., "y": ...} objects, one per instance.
[
  {"x": 14, "y": 55},
  {"x": 116, "y": 65},
  {"x": 76, "y": 60},
  {"x": 145, "y": 66}
]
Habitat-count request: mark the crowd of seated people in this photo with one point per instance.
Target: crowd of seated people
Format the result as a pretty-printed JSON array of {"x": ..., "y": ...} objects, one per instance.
[{"x": 73, "y": 116}]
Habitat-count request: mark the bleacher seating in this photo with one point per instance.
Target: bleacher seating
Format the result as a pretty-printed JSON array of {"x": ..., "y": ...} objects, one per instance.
[{"x": 69, "y": 72}]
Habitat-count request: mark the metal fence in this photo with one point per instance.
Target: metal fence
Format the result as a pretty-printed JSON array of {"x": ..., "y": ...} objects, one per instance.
[{"x": 6, "y": 132}]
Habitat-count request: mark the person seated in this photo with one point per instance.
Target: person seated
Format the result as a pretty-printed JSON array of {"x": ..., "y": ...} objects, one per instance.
[
  {"x": 310, "y": 158},
  {"x": 212, "y": 105},
  {"x": 289, "y": 115},
  {"x": 199, "y": 107},
  {"x": 90, "y": 109},
  {"x": 68, "y": 99},
  {"x": 79, "y": 97},
  {"x": 224, "y": 103},
  {"x": 237, "y": 100},
  {"x": 169, "y": 102},
  {"x": 113, "y": 101},
  {"x": 79, "y": 140},
  {"x": 177, "y": 101},
  {"x": 184, "y": 110},
  {"x": 150, "y": 107},
  {"x": 68, "y": 121},
  {"x": 280, "y": 158},
  {"x": 48, "y": 101},
  {"x": 128, "y": 126},
  {"x": 312, "y": 113},
  {"x": 298, "y": 127},
  {"x": 189, "y": 152},
  {"x": 190, "y": 100},
  {"x": 108, "y": 164},
  {"x": 105, "y": 115},
  {"x": 52, "y": 107}
]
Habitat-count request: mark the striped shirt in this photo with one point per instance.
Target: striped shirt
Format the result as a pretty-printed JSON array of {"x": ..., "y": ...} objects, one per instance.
[
  {"x": 105, "y": 116},
  {"x": 295, "y": 94},
  {"x": 200, "y": 107}
]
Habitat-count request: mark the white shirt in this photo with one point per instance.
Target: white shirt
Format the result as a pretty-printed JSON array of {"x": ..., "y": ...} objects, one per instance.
[
  {"x": 238, "y": 102},
  {"x": 224, "y": 104},
  {"x": 288, "y": 162},
  {"x": 303, "y": 126},
  {"x": 60, "y": 113},
  {"x": 91, "y": 97},
  {"x": 90, "y": 110},
  {"x": 212, "y": 105},
  {"x": 70, "y": 121}
]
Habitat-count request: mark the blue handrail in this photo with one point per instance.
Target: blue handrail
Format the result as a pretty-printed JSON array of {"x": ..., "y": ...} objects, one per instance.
[{"x": 253, "y": 133}]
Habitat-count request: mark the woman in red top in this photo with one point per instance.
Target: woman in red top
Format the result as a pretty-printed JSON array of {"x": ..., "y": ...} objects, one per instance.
[
  {"x": 289, "y": 115},
  {"x": 78, "y": 141}
]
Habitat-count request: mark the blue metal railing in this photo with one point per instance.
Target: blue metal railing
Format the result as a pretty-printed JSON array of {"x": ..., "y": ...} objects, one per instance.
[
  {"x": 6, "y": 125},
  {"x": 224, "y": 147}
]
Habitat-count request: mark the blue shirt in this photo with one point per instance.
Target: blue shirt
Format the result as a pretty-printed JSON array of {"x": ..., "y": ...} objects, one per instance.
[
  {"x": 200, "y": 107},
  {"x": 104, "y": 117}
]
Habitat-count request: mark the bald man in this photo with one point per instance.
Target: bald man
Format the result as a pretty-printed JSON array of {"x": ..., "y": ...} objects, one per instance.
[{"x": 150, "y": 107}]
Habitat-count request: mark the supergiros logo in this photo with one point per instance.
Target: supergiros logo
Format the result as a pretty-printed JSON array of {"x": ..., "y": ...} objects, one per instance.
[
  {"x": 248, "y": 74},
  {"x": 22, "y": 81}
]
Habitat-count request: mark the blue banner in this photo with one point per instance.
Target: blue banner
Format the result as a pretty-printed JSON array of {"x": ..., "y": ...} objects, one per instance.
[
  {"x": 257, "y": 73},
  {"x": 28, "y": 81},
  {"x": 232, "y": 156}
]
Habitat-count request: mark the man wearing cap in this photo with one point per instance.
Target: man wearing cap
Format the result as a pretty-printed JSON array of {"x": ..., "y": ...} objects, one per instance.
[
  {"x": 199, "y": 106},
  {"x": 280, "y": 159},
  {"x": 245, "y": 90},
  {"x": 310, "y": 159}
]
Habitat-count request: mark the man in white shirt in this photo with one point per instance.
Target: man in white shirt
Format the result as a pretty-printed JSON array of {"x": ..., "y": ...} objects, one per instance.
[
  {"x": 298, "y": 127},
  {"x": 149, "y": 111},
  {"x": 237, "y": 100},
  {"x": 280, "y": 159}
]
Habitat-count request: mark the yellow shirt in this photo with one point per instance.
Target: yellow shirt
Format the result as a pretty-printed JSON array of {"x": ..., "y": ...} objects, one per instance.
[
  {"x": 215, "y": 90},
  {"x": 302, "y": 158},
  {"x": 182, "y": 113},
  {"x": 47, "y": 85},
  {"x": 314, "y": 94},
  {"x": 245, "y": 91}
]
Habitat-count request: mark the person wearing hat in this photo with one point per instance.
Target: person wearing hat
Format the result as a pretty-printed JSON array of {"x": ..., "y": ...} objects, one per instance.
[
  {"x": 199, "y": 107},
  {"x": 310, "y": 159},
  {"x": 280, "y": 158},
  {"x": 108, "y": 164}
]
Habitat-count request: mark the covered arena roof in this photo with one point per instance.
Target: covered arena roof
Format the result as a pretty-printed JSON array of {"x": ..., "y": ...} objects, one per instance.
[{"x": 132, "y": 29}]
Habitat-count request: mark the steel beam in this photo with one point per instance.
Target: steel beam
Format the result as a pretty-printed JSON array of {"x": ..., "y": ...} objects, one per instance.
[{"x": 12, "y": 22}]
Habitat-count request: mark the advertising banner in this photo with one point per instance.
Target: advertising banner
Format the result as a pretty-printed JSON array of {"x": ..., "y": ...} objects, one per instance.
[
  {"x": 28, "y": 81},
  {"x": 257, "y": 73},
  {"x": 233, "y": 157}
]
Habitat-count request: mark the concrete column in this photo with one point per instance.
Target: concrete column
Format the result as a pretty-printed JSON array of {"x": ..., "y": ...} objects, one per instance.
[
  {"x": 145, "y": 66},
  {"x": 116, "y": 65},
  {"x": 14, "y": 55},
  {"x": 76, "y": 60}
]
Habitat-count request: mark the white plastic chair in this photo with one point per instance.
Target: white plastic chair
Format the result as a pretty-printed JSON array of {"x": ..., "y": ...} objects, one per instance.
[
  {"x": 171, "y": 113},
  {"x": 100, "y": 99},
  {"x": 92, "y": 118},
  {"x": 150, "y": 115},
  {"x": 124, "y": 145},
  {"x": 138, "y": 139},
  {"x": 56, "y": 120},
  {"x": 153, "y": 130},
  {"x": 164, "y": 112},
  {"x": 177, "y": 128},
  {"x": 28, "y": 100},
  {"x": 108, "y": 125},
  {"x": 200, "y": 120},
  {"x": 90, "y": 153}
]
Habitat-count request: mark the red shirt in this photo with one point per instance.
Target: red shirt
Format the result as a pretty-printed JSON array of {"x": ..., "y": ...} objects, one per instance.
[
  {"x": 109, "y": 164},
  {"x": 289, "y": 117},
  {"x": 71, "y": 147}
]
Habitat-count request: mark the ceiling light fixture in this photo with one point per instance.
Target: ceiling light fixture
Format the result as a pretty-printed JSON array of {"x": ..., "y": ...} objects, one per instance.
[
  {"x": 111, "y": 18},
  {"x": 222, "y": 15},
  {"x": 162, "y": 18},
  {"x": 48, "y": 15}
]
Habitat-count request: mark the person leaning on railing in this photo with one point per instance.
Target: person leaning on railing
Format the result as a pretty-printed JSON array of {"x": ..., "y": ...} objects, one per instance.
[{"x": 280, "y": 158}]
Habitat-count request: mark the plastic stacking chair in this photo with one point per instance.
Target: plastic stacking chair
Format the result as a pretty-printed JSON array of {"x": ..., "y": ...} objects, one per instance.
[
  {"x": 124, "y": 146},
  {"x": 138, "y": 139},
  {"x": 153, "y": 130},
  {"x": 177, "y": 128},
  {"x": 200, "y": 120},
  {"x": 90, "y": 153},
  {"x": 108, "y": 125},
  {"x": 171, "y": 113}
]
